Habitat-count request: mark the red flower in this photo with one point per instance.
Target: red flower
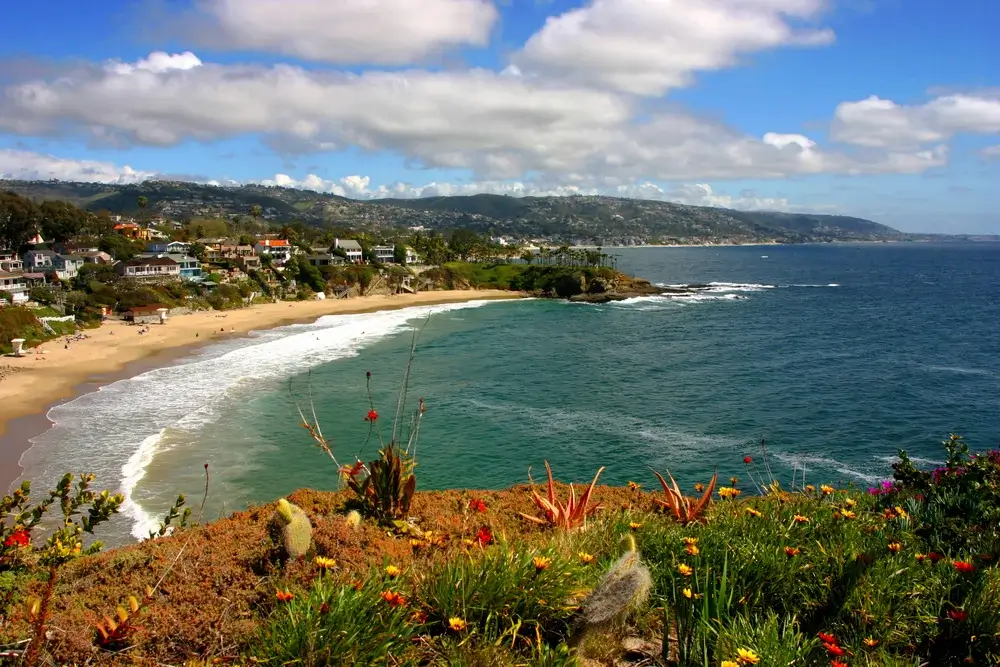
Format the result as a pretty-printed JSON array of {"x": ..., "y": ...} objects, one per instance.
[
  {"x": 747, "y": 460},
  {"x": 477, "y": 505},
  {"x": 352, "y": 471},
  {"x": 958, "y": 615},
  {"x": 837, "y": 663},
  {"x": 826, "y": 639},
  {"x": 963, "y": 567},
  {"x": 372, "y": 416},
  {"x": 484, "y": 536},
  {"x": 934, "y": 557},
  {"x": 834, "y": 650},
  {"x": 19, "y": 538}
]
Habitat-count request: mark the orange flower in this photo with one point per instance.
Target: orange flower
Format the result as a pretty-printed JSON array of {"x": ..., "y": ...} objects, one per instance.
[
  {"x": 392, "y": 571},
  {"x": 418, "y": 616},
  {"x": 752, "y": 512},
  {"x": 586, "y": 558},
  {"x": 457, "y": 624},
  {"x": 826, "y": 489},
  {"x": 325, "y": 563},
  {"x": 801, "y": 519},
  {"x": 963, "y": 566},
  {"x": 284, "y": 596},
  {"x": 685, "y": 570},
  {"x": 791, "y": 552},
  {"x": 895, "y": 547},
  {"x": 870, "y": 642},
  {"x": 393, "y": 598},
  {"x": 729, "y": 492},
  {"x": 633, "y": 486},
  {"x": 847, "y": 514},
  {"x": 699, "y": 487},
  {"x": 692, "y": 549},
  {"x": 635, "y": 525},
  {"x": 837, "y": 663},
  {"x": 541, "y": 562}
]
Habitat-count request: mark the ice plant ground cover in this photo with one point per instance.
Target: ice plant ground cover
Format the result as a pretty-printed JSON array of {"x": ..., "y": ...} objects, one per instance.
[{"x": 895, "y": 576}]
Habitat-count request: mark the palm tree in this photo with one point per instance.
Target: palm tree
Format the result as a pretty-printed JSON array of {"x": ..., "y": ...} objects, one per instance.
[
  {"x": 255, "y": 212},
  {"x": 142, "y": 201}
]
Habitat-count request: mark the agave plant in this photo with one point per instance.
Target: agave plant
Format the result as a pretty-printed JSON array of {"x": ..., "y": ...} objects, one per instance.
[
  {"x": 387, "y": 490},
  {"x": 685, "y": 510},
  {"x": 569, "y": 515}
]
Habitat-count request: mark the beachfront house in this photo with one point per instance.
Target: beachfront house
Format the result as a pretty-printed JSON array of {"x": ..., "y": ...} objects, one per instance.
[
  {"x": 149, "y": 268},
  {"x": 67, "y": 266},
  {"x": 384, "y": 253},
  {"x": 324, "y": 259},
  {"x": 169, "y": 247},
  {"x": 38, "y": 260},
  {"x": 189, "y": 267},
  {"x": 411, "y": 256},
  {"x": 13, "y": 283},
  {"x": 351, "y": 248},
  {"x": 10, "y": 262},
  {"x": 280, "y": 250},
  {"x": 149, "y": 314},
  {"x": 130, "y": 230},
  {"x": 95, "y": 257}
]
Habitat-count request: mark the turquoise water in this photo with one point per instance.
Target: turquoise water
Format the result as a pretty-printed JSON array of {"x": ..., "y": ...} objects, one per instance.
[{"x": 838, "y": 355}]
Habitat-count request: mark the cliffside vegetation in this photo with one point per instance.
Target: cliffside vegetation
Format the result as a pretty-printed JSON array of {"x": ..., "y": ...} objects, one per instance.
[{"x": 588, "y": 219}]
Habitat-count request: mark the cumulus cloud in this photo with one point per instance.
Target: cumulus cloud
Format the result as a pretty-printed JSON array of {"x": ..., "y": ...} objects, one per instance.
[
  {"x": 380, "y": 32},
  {"x": 990, "y": 153},
  {"x": 879, "y": 123},
  {"x": 498, "y": 126},
  {"x": 647, "y": 48},
  {"x": 30, "y": 166}
]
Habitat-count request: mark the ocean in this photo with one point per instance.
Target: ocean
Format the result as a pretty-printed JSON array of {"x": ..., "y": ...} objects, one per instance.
[{"x": 837, "y": 355}]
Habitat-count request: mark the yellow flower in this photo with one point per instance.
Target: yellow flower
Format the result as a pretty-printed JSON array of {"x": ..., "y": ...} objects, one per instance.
[
  {"x": 801, "y": 519},
  {"x": 746, "y": 657},
  {"x": 734, "y": 480},
  {"x": 635, "y": 525},
  {"x": 633, "y": 486},
  {"x": 541, "y": 562},
  {"x": 688, "y": 593},
  {"x": 826, "y": 489},
  {"x": 851, "y": 502},
  {"x": 325, "y": 563},
  {"x": 416, "y": 544},
  {"x": 810, "y": 488},
  {"x": 392, "y": 571},
  {"x": 920, "y": 557},
  {"x": 848, "y": 514},
  {"x": 871, "y": 642},
  {"x": 752, "y": 512},
  {"x": 791, "y": 552},
  {"x": 690, "y": 541},
  {"x": 895, "y": 547},
  {"x": 900, "y": 512},
  {"x": 729, "y": 492},
  {"x": 685, "y": 570},
  {"x": 730, "y": 663},
  {"x": 692, "y": 549},
  {"x": 699, "y": 487},
  {"x": 457, "y": 624},
  {"x": 586, "y": 558}
]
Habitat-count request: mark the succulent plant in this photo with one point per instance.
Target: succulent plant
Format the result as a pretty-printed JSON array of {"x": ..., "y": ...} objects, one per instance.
[{"x": 291, "y": 528}]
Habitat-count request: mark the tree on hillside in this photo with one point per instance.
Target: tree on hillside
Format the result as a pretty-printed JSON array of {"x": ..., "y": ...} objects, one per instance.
[
  {"x": 288, "y": 234},
  {"x": 142, "y": 201},
  {"x": 463, "y": 242},
  {"x": 255, "y": 212},
  {"x": 18, "y": 220}
]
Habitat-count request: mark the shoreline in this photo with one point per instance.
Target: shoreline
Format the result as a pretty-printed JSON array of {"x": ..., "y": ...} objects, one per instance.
[{"x": 115, "y": 351}]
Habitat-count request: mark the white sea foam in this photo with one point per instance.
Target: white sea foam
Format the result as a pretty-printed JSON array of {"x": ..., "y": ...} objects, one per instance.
[
  {"x": 117, "y": 431},
  {"x": 812, "y": 463}
]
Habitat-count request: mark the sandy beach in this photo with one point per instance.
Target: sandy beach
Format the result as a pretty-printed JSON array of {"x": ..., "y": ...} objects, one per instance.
[{"x": 33, "y": 383}]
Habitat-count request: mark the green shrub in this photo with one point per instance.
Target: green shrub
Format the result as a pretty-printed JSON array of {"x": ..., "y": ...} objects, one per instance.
[{"x": 335, "y": 624}]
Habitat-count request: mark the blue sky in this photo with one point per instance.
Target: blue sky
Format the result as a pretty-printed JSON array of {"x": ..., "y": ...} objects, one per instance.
[{"x": 888, "y": 110}]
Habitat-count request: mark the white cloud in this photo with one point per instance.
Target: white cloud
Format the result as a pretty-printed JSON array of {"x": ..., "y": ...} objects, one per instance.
[
  {"x": 158, "y": 62},
  {"x": 879, "y": 123},
  {"x": 381, "y": 32},
  {"x": 990, "y": 153},
  {"x": 498, "y": 126},
  {"x": 29, "y": 166},
  {"x": 647, "y": 47}
]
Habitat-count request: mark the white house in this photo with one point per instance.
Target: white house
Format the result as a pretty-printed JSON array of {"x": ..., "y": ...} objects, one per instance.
[
  {"x": 67, "y": 266},
  {"x": 280, "y": 250},
  {"x": 10, "y": 262},
  {"x": 411, "y": 256},
  {"x": 384, "y": 253},
  {"x": 13, "y": 283},
  {"x": 149, "y": 268},
  {"x": 169, "y": 247},
  {"x": 38, "y": 260},
  {"x": 351, "y": 248}
]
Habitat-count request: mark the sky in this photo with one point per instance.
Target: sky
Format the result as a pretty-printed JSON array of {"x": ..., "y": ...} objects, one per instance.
[{"x": 883, "y": 109}]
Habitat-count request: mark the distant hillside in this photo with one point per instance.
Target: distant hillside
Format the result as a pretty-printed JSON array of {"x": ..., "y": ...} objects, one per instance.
[{"x": 577, "y": 219}]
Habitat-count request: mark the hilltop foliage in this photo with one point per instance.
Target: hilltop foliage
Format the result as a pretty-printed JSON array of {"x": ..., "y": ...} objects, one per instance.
[{"x": 606, "y": 220}]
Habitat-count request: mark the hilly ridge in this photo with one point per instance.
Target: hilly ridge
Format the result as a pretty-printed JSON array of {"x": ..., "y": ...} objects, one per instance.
[{"x": 573, "y": 219}]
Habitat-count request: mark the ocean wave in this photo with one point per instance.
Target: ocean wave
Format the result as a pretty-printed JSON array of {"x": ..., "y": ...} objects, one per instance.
[
  {"x": 812, "y": 463},
  {"x": 116, "y": 431}
]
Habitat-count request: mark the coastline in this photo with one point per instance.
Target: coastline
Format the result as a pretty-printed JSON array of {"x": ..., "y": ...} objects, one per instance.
[{"x": 115, "y": 351}]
